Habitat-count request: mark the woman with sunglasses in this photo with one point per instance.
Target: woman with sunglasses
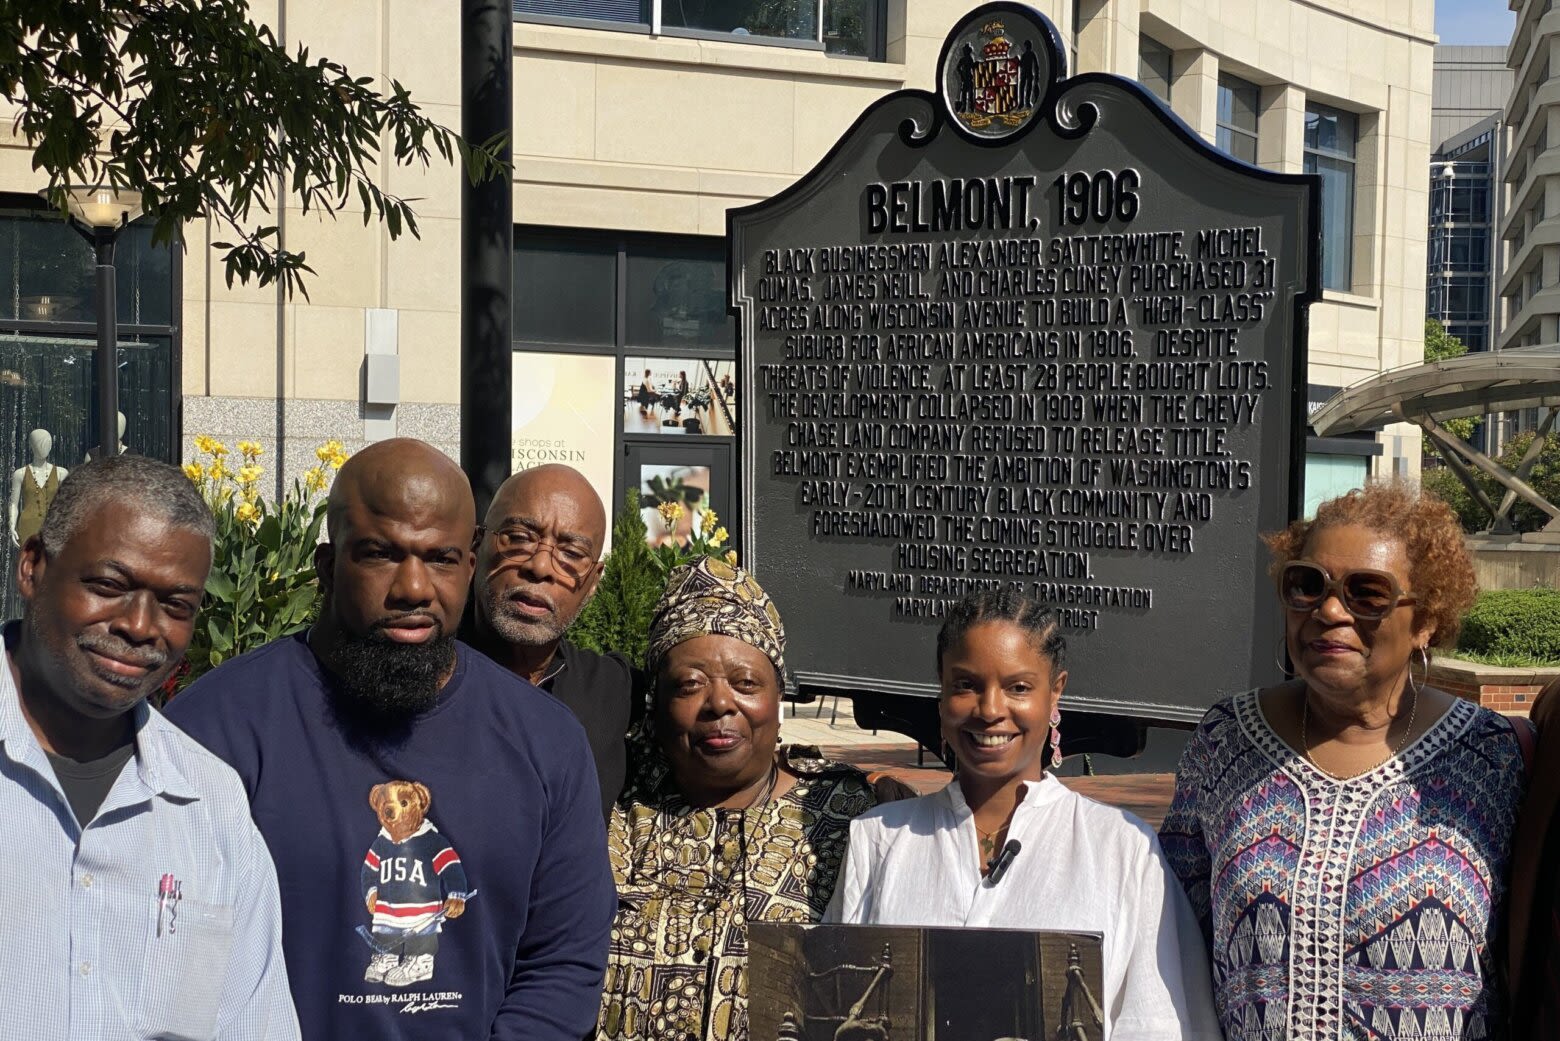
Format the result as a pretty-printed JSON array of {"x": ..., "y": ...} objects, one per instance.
[{"x": 1344, "y": 836}]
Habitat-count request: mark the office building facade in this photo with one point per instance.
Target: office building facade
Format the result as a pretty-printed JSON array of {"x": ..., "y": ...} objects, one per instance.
[{"x": 638, "y": 124}]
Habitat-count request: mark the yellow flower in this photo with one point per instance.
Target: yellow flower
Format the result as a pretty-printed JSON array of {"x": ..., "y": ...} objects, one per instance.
[
  {"x": 731, "y": 557},
  {"x": 251, "y": 449},
  {"x": 720, "y": 537},
  {"x": 249, "y": 473},
  {"x": 218, "y": 469},
  {"x": 707, "y": 522},
  {"x": 246, "y": 511},
  {"x": 671, "y": 513},
  {"x": 195, "y": 472},
  {"x": 217, "y": 449},
  {"x": 314, "y": 479},
  {"x": 203, "y": 443}
]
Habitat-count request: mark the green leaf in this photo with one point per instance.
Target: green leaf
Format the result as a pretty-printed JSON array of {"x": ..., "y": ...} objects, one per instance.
[
  {"x": 219, "y": 586},
  {"x": 221, "y": 639},
  {"x": 269, "y": 534}
]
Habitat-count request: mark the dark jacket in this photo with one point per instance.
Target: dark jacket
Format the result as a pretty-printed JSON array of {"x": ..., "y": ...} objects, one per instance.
[
  {"x": 601, "y": 691},
  {"x": 1535, "y": 861}
]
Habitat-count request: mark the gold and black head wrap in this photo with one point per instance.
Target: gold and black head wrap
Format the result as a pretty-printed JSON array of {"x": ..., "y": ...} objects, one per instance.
[{"x": 711, "y": 597}]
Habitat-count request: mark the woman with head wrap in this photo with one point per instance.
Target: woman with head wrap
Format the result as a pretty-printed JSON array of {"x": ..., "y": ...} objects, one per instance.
[{"x": 720, "y": 824}]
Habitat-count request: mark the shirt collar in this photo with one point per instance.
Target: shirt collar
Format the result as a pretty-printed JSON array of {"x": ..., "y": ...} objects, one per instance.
[
  {"x": 560, "y": 661},
  {"x": 155, "y": 769},
  {"x": 1036, "y": 794}
]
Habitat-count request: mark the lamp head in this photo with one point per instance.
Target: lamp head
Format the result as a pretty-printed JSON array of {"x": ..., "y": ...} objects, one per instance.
[{"x": 100, "y": 206}]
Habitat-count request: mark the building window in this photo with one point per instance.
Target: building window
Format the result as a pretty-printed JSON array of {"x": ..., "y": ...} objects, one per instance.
[
  {"x": 48, "y": 343},
  {"x": 1154, "y": 67},
  {"x": 632, "y": 11},
  {"x": 1331, "y": 142},
  {"x": 1329, "y": 476},
  {"x": 662, "y": 402},
  {"x": 847, "y": 27},
  {"x": 1237, "y": 118}
]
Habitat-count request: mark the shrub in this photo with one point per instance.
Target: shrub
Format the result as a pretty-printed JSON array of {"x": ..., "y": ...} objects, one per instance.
[
  {"x": 1515, "y": 624},
  {"x": 262, "y": 584},
  {"x": 1544, "y": 478},
  {"x": 1442, "y": 483},
  {"x": 617, "y": 618}
]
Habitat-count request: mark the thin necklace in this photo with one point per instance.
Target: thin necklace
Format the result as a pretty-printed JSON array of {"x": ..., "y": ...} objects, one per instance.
[
  {"x": 1305, "y": 744},
  {"x": 764, "y": 794}
]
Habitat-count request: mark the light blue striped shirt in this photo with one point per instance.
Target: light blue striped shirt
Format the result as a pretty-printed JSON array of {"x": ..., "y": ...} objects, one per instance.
[{"x": 81, "y": 957}]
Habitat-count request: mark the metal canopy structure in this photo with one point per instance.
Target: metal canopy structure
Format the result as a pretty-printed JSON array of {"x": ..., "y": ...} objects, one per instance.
[{"x": 1472, "y": 385}]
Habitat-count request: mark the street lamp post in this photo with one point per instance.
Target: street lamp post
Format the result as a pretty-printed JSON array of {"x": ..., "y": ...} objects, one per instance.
[{"x": 99, "y": 214}]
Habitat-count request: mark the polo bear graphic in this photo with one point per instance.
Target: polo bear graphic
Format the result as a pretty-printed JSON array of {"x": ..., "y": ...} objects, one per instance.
[{"x": 412, "y": 883}]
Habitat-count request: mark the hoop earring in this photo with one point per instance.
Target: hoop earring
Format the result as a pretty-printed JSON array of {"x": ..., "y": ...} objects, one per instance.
[
  {"x": 1281, "y": 658},
  {"x": 1424, "y": 655},
  {"x": 1056, "y": 738}
]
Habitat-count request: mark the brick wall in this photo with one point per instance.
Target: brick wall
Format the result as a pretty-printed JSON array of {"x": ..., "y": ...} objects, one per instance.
[{"x": 1503, "y": 690}]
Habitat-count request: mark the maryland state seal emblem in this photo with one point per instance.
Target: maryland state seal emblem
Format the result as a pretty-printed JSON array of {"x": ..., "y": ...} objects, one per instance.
[{"x": 996, "y": 71}]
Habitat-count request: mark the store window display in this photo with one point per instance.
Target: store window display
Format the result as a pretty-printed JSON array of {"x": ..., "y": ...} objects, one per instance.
[
  {"x": 48, "y": 349},
  {"x": 33, "y": 487},
  {"x": 92, "y": 453}
]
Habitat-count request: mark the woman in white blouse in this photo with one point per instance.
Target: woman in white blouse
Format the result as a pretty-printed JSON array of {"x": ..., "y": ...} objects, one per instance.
[{"x": 1006, "y": 846}]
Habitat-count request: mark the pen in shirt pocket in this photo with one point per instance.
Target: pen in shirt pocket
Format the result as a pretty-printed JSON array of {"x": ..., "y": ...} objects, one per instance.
[
  {"x": 169, "y": 892},
  {"x": 164, "y": 887}
]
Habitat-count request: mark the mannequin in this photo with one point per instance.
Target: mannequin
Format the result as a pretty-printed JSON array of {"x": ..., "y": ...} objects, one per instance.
[
  {"x": 33, "y": 488},
  {"x": 92, "y": 453}
]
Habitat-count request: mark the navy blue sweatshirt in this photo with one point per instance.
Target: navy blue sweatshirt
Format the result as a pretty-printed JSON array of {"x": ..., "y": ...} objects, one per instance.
[{"x": 477, "y": 837}]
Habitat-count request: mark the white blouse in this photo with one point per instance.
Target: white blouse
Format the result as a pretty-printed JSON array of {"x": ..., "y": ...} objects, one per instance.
[{"x": 1083, "y": 867}]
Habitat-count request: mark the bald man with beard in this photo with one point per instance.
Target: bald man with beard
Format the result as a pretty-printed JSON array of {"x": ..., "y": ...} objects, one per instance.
[
  {"x": 538, "y": 564},
  {"x": 434, "y": 818}
]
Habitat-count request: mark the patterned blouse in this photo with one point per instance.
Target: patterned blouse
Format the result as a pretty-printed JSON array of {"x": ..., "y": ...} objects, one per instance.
[
  {"x": 690, "y": 879},
  {"x": 1358, "y": 909}
]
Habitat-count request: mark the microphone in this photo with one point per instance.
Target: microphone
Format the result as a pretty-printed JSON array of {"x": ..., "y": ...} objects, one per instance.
[{"x": 998, "y": 865}]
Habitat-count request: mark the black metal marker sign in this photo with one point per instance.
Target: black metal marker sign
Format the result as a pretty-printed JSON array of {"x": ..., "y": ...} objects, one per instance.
[{"x": 1026, "y": 330}]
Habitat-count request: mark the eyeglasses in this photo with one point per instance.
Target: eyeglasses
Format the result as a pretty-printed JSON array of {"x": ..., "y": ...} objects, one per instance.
[
  {"x": 521, "y": 544},
  {"x": 1366, "y": 594}
]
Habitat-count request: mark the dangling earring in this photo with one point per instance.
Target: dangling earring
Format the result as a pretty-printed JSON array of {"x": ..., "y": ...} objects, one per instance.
[
  {"x": 1424, "y": 655},
  {"x": 1056, "y": 738},
  {"x": 946, "y": 754},
  {"x": 1282, "y": 657}
]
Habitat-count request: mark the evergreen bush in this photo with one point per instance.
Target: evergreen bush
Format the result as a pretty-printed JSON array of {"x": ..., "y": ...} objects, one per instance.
[
  {"x": 1522, "y": 625},
  {"x": 617, "y": 617},
  {"x": 1544, "y": 478}
]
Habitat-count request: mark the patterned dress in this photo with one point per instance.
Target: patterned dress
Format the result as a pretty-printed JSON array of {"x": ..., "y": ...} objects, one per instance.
[
  {"x": 1357, "y": 909},
  {"x": 689, "y": 880}
]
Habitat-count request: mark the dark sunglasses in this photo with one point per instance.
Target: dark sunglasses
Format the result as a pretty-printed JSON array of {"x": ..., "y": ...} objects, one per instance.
[{"x": 1367, "y": 595}]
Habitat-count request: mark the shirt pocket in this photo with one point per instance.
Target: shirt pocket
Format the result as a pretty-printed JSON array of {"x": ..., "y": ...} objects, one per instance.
[{"x": 184, "y": 970}]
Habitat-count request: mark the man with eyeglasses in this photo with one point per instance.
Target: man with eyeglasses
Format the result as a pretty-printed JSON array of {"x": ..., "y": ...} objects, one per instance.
[
  {"x": 442, "y": 874},
  {"x": 539, "y": 562}
]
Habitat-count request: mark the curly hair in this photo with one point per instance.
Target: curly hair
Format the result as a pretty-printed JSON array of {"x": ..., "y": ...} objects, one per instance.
[{"x": 1440, "y": 572}]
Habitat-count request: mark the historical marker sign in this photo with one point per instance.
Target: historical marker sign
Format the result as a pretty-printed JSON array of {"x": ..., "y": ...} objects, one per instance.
[{"x": 1031, "y": 330}]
